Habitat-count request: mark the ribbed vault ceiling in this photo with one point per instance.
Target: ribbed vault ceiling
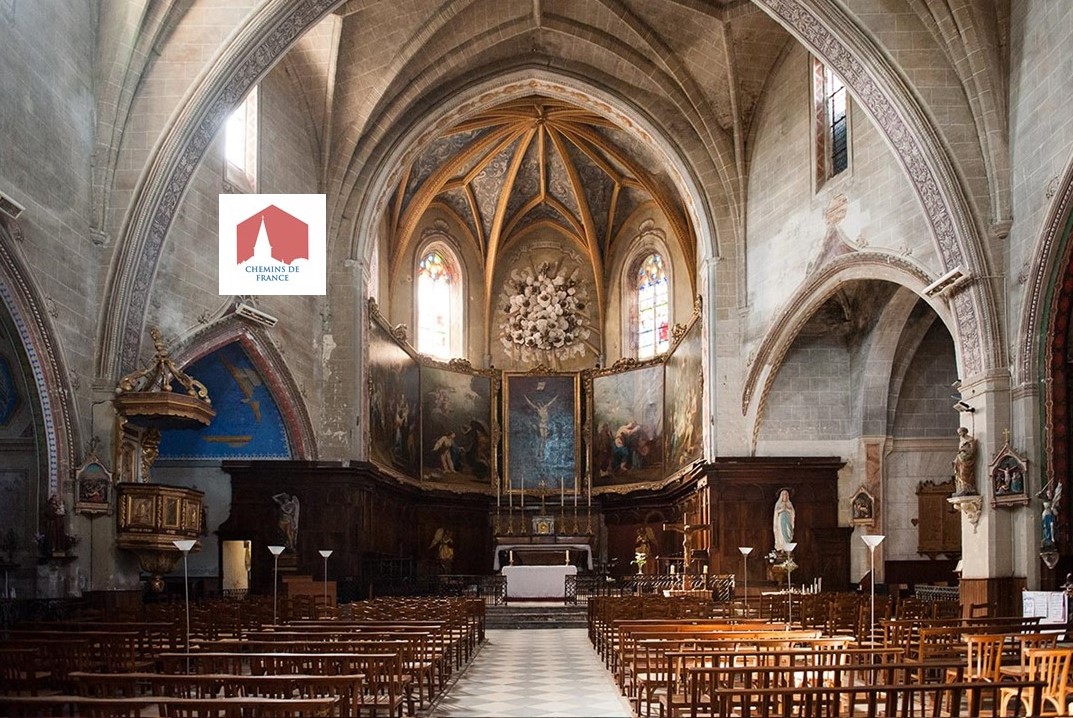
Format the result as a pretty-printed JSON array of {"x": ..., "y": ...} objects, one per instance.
[{"x": 538, "y": 161}]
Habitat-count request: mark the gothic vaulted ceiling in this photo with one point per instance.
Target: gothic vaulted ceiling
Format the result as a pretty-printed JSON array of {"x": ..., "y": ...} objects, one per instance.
[{"x": 537, "y": 161}]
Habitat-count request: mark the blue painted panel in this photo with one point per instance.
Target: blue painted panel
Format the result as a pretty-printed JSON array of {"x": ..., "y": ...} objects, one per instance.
[{"x": 248, "y": 423}]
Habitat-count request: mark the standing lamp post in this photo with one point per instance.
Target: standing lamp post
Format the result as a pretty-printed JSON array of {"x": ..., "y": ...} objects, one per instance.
[
  {"x": 325, "y": 553},
  {"x": 789, "y": 587},
  {"x": 276, "y": 551},
  {"x": 185, "y": 545},
  {"x": 872, "y": 540},
  {"x": 745, "y": 551}
]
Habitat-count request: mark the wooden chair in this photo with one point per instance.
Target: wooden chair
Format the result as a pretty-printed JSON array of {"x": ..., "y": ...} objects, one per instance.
[{"x": 1050, "y": 665}]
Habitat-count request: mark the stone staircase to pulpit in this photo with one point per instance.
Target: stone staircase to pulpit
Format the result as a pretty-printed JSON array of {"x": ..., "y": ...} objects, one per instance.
[{"x": 536, "y": 614}]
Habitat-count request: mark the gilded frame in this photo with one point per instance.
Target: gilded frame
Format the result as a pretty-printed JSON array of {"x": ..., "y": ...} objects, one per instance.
[
  {"x": 452, "y": 377},
  {"x": 541, "y": 431}
]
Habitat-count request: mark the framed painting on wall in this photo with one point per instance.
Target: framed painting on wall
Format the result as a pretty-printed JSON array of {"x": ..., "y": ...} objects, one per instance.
[
  {"x": 1009, "y": 477},
  {"x": 457, "y": 425},
  {"x": 626, "y": 446},
  {"x": 684, "y": 395},
  {"x": 541, "y": 446},
  {"x": 394, "y": 401},
  {"x": 93, "y": 485}
]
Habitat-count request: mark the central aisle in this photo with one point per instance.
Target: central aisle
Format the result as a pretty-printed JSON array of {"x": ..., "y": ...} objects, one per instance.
[{"x": 544, "y": 672}]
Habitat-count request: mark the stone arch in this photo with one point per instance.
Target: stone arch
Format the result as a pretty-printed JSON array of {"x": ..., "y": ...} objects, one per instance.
[
  {"x": 500, "y": 89},
  {"x": 832, "y": 35},
  {"x": 269, "y": 363},
  {"x": 252, "y": 51},
  {"x": 21, "y": 299},
  {"x": 648, "y": 240},
  {"x": 876, "y": 414},
  {"x": 763, "y": 365},
  {"x": 1052, "y": 255}
]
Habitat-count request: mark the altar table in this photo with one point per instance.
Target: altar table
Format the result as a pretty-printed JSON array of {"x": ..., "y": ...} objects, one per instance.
[{"x": 537, "y": 581}]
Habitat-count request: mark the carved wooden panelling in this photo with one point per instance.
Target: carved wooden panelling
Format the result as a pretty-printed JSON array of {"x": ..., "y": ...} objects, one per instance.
[{"x": 938, "y": 523}]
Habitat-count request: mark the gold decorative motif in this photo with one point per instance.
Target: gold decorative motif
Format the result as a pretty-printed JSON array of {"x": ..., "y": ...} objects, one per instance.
[
  {"x": 627, "y": 362},
  {"x": 151, "y": 517},
  {"x": 460, "y": 364},
  {"x": 147, "y": 397},
  {"x": 678, "y": 331},
  {"x": 399, "y": 331},
  {"x": 540, "y": 369}
]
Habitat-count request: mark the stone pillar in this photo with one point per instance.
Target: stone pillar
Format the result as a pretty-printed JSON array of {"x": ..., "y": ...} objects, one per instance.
[{"x": 988, "y": 568}]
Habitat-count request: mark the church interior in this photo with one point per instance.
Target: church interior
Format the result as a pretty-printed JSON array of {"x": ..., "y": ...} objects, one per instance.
[{"x": 725, "y": 298}]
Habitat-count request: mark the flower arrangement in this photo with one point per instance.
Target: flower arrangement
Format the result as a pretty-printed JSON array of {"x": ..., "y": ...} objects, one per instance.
[
  {"x": 781, "y": 560},
  {"x": 639, "y": 560},
  {"x": 545, "y": 312}
]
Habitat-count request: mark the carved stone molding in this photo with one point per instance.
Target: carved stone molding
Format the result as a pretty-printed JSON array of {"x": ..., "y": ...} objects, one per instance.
[{"x": 970, "y": 506}]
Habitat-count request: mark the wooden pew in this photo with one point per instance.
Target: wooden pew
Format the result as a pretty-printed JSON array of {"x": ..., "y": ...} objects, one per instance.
[
  {"x": 349, "y": 689},
  {"x": 68, "y": 705}
]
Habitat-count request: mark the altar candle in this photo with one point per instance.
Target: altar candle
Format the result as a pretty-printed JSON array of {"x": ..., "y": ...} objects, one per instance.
[
  {"x": 562, "y": 491},
  {"x": 512, "y": 558},
  {"x": 566, "y": 555},
  {"x": 672, "y": 569},
  {"x": 704, "y": 568}
]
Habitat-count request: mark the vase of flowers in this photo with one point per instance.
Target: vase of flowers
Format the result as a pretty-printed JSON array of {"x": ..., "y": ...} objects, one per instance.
[
  {"x": 780, "y": 565},
  {"x": 639, "y": 559}
]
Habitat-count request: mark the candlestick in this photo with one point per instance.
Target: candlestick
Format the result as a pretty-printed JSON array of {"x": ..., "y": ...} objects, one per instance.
[
  {"x": 562, "y": 491},
  {"x": 566, "y": 556}
]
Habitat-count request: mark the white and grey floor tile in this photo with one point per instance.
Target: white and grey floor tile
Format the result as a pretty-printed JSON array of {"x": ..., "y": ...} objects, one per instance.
[{"x": 540, "y": 673}]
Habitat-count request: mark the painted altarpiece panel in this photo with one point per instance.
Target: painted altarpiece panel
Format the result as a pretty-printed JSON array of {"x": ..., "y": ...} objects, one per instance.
[
  {"x": 394, "y": 402},
  {"x": 684, "y": 394},
  {"x": 627, "y": 442},
  {"x": 541, "y": 431},
  {"x": 457, "y": 425}
]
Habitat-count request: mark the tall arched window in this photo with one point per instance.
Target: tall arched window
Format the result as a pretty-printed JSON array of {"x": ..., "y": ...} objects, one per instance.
[
  {"x": 652, "y": 296},
  {"x": 240, "y": 145},
  {"x": 436, "y": 303}
]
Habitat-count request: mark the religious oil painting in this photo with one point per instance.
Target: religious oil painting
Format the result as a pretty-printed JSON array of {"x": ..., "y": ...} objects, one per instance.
[
  {"x": 684, "y": 396},
  {"x": 394, "y": 401},
  {"x": 541, "y": 431},
  {"x": 248, "y": 422},
  {"x": 627, "y": 421},
  {"x": 456, "y": 426}
]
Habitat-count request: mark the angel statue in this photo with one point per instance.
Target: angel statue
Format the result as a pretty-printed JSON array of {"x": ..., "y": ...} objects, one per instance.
[
  {"x": 444, "y": 543},
  {"x": 1049, "y": 518}
]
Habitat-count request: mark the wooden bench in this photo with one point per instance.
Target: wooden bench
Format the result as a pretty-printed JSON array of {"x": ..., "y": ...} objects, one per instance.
[
  {"x": 347, "y": 688},
  {"x": 67, "y": 705},
  {"x": 824, "y": 690}
]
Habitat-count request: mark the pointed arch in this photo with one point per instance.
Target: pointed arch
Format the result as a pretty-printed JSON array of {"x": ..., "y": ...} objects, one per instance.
[
  {"x": 799, "y": 308},
  {"x": 440, "y": 279},
  {"x": 832, "y": 35},
  {"x": 26, "y": 307},
  {"x": 269, "y": 363},
  {"x": 649, "y": 242}
]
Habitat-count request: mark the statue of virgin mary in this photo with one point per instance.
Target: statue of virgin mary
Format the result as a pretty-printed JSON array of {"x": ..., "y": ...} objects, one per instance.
[{"x": 783, "y": 521}]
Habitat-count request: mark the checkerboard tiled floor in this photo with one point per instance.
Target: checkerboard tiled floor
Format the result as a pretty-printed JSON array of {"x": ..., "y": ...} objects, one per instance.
[{"x": 534, "y": 673}]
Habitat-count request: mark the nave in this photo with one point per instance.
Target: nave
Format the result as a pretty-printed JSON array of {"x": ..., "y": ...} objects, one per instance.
[{"x": 533, "y": 672}]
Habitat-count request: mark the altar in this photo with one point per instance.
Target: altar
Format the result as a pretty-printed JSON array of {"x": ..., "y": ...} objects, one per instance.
[{"x": 537, "y": 581}]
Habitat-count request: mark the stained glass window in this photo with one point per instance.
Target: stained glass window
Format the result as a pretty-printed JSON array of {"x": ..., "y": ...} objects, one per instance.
[
  {"x": 434, "y": 277},
  {"x": 653, "y": 308}
]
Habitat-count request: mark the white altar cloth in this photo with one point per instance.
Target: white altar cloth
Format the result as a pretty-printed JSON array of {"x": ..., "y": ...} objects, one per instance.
[{"x": 537, "y": 581}]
